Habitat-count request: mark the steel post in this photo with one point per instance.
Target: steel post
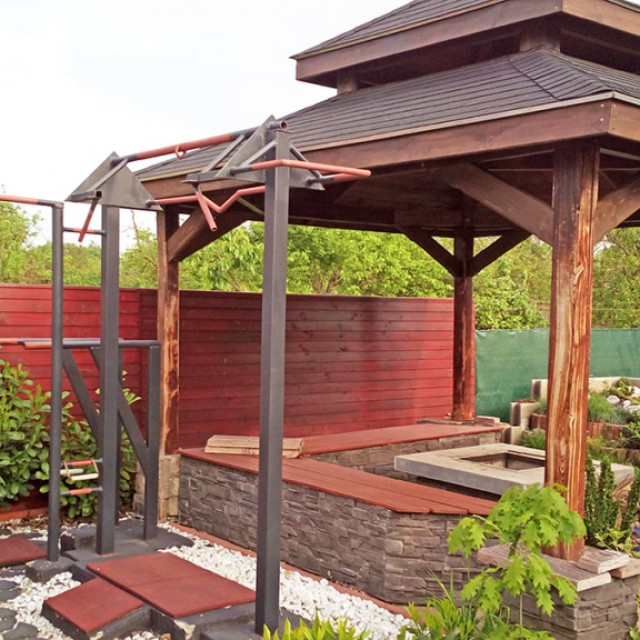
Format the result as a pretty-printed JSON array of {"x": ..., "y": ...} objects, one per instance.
[
  {"x": 274, "y": 302},
  {"x": 110, "y": 375},
  {"x": 55, "y": 443},
  {"x": 151, "y": 474}
]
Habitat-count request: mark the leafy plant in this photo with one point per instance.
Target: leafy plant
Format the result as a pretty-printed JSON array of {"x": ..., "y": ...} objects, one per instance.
[
  {"x": 534, "y": 439},
  {"x": 599, "y": 409},
  {"x": 526, "y": 520},
  {"x": 608, "y": 524},
  {"x": 78, "y": 443},
  {"x": 23, "y": 413},
  {"x": 630, "y": 436},
  {"x": 24, "y": 442},
  {"x": 319, "y": 630}
]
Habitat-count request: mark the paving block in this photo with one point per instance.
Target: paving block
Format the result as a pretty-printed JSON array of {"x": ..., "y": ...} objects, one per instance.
[
  {"x": 175, "y": 586},
  {"x": 96, "y": 609},
  {"x": 18, "y": 550}
]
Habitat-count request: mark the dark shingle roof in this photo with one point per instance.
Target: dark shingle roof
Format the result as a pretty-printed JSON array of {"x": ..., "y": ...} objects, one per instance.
[
  {"x": 533, "y": 79},
  {"x": 410, "y": 16}
]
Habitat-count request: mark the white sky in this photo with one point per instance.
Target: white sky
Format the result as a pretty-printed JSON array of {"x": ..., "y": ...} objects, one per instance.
[{"x": 83, "y": 78}]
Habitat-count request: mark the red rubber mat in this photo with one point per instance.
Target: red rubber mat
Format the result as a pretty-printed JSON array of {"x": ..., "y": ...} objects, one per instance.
[
  {"x": 93, "y": 605},
  {"x": 175, "y": 586},
  {"x": 18, "y": 550}
]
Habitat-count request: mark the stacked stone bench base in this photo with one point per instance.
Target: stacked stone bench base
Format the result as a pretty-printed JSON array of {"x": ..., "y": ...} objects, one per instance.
[{"x": 384, "y": 536}]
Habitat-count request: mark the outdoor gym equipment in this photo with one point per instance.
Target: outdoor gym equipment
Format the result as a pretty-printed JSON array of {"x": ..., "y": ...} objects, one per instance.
[{"x": 265, "y": 157}]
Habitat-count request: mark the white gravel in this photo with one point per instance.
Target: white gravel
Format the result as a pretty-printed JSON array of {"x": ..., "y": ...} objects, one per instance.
[{"x": 299, "y": 594}]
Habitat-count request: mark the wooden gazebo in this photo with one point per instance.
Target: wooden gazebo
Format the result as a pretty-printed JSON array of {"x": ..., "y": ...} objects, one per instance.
[{"x": 478, "y": 118}]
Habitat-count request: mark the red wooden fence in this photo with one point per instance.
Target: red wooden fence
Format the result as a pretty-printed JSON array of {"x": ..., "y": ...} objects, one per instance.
[
  {"x": 351, "y": 363},
  {"x": 25, "y": 312}
]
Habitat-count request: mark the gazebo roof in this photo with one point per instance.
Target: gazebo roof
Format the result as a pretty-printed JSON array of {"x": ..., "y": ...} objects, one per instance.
[
  {"x": 418, "y": 13},
  {"x": 428, "y": 35},
  {"x": 506, "y": 87}
]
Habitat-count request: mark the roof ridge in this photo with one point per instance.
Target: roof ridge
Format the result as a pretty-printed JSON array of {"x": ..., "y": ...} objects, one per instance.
[
  {"x": 540, "y": 76},
  {"x": 350, "y": 37}
]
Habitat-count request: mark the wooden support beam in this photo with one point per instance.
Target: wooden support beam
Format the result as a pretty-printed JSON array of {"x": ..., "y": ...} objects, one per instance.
[
  {"x": 504, "y": 243},
  {"x": 169, "y": 334},
  {"x": 523, "y": 209},
  {"x": 427, "y": 242},
  {"x": 195, "y": 234},
  {"x": 615, "y": 208},
  {"x": 463, "y": 331},
  {"x": 575, "y": 194}
]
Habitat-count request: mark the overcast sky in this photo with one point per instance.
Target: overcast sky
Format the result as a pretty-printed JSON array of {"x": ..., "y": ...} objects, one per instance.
[{"x": 82, "y": 78}]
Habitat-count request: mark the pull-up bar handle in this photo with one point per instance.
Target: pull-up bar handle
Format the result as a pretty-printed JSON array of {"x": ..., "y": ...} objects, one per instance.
[
  {"x": 301, "y": 164},
  {"x": 182, "y": 147},
  {"x": 36, "y": 201}
]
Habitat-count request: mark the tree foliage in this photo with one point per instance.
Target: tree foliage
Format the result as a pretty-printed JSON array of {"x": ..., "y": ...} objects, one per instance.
[
  {"x": 616, "y": 280},
  {"x": 16, "y": 233},
  {"x": 511, "y": 293}
]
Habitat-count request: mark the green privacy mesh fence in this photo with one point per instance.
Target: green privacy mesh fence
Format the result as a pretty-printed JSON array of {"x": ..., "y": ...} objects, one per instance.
[{"x": 506, "y": 361}]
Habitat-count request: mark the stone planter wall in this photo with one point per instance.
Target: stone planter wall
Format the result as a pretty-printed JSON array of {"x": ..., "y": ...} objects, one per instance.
[
  {"x": 602, "y": 613},
  {"x": 379, "y": 460},
  {"x": 393, "y": 556}
]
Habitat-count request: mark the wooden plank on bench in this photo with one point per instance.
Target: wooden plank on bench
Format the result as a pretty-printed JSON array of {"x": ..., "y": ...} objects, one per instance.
[
  {"x": 396, "y": 495},
  {"x": 250, "y": 445},
  {"x": 364, "y": 439},
  {"x": 401, "y": 491}
]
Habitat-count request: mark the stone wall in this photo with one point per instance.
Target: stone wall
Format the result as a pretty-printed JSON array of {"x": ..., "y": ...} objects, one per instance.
[
  {"x": 394, "y": 556},
  {"x": 380, "y": 459},
  {"x": 603, "y": 613}
]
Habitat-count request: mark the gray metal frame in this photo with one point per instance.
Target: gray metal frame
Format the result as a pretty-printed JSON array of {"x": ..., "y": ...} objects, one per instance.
[{"x": 274, "y": 304}]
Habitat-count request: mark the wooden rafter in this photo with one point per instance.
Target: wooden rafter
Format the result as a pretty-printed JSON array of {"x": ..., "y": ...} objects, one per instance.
[
  {"x": 615, "y": 208},
  {"x": 427, "y": 242},
  {"x": 523, "y": 209},
  {"x": 504, "y": 243},
  {"x": 194, "y": 234}
]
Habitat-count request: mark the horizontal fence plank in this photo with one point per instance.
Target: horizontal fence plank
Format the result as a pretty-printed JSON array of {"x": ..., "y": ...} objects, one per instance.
[{"x": 351, "y": 363}]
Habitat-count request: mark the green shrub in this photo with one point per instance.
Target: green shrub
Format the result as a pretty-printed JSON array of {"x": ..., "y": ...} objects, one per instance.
[
  {"x": 526, "y": 520},
  {"x": 319, "y": 630},
  {"x": 78, "y": 443},
  {"x": 23, "y": 416},
  {"x": 630, "y": 436},
  {"x": 24, "y": 444},
  {"x": 535, "y": 439},
  {"x": 608, "y": 524},
  {"x": 599, "y": 409}
]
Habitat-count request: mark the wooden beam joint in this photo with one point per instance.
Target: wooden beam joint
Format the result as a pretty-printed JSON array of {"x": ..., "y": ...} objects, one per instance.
[{"x": 520, "y": 208}]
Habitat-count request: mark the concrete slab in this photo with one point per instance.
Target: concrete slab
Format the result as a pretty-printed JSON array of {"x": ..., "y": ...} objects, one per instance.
[{"x": 489, "y": 468}]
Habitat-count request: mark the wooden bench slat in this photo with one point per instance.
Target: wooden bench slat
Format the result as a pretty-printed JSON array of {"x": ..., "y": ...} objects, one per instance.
[
  {"x": 396, "y": 495},
  {"x": 364, "y": 439},
  {"x": 402, "y": 488}
]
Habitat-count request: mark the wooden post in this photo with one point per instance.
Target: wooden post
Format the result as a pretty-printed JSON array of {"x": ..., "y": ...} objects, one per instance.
[
  {"x": 575, "y": 195},
  {"x": 463, "y": 331},
  {"x": 169, "y": 334}
]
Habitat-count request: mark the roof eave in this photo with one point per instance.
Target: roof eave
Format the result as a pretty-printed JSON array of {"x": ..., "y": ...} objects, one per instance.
[
  {"x": 588, "y": 117},
  {"x": 316, "y": 65},
  {"x": 321, "y": 66}
]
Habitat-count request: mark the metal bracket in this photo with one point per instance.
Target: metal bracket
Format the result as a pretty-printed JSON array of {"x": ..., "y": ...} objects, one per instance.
[
  {"x": 115, "y": 186},
  {"x": 254, "y": 149}
]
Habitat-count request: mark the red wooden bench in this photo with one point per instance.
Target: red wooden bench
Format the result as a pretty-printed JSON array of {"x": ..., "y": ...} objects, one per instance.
[{"x": 395, "y": 495}]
